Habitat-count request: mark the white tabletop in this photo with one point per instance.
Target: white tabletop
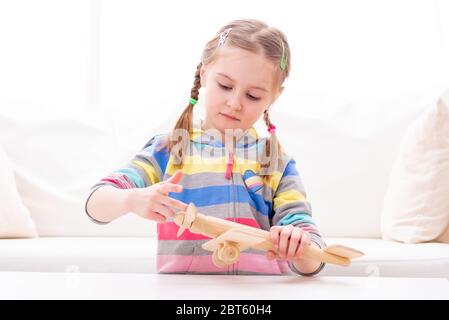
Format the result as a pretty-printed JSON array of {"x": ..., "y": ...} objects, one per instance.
[{"x": 73, "y": 285}]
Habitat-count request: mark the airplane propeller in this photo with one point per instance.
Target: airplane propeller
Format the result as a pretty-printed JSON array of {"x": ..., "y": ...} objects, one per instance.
[{"x": 185, "y": 219}]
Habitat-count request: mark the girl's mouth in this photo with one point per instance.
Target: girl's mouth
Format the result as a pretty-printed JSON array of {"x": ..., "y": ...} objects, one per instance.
[{"x": 229, "y": 117}]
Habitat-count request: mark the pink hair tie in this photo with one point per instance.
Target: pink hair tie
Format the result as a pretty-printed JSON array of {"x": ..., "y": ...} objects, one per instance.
[{"x": 272, "y": 129}]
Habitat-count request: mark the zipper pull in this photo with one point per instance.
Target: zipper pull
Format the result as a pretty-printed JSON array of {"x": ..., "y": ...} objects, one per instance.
[{"x": 229, "y": 165}]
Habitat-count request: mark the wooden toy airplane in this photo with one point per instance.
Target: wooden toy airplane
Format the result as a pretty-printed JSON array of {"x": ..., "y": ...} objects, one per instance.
[{"x": 230, "y": 238}]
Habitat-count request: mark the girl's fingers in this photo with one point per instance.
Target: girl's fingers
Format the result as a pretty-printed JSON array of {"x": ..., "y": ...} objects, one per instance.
[
  {"x": 274, "y": 233},
  {"x": 295, "y": 240},
  {"x": 289, "y": 242},
  {"x": 173, "y": 203},
  {"x": 165, "y": 188},
  {"x": 176, "y": 177},
  {"x": 160, "y": 218},
  {"x": 165, "y": 211},
  {"x": 271, "y": 255},
  {"x": 283, "y": 241},
  {"x": 155, "y": 216},
  {"x": 305, "y": 242}
]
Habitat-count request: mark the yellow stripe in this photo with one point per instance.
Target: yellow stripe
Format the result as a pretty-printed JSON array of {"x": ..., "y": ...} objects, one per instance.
[
  {"x": 149, "y": 170},
  {"x": 286, "y": 197},
  {"x": 195, "y": 134},
  {"x": 252, "y": 132},
  {"x": 274, "y": 180},
  {"x": 198, "y": 164},
  {"x": 253, "y": 179}
]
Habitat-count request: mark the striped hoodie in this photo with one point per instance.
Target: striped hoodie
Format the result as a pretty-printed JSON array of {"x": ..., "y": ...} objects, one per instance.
[{"x": 222, "y": 184}]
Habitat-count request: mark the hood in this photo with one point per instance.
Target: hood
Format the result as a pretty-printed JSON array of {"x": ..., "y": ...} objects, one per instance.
[{"x": 211, "y": 138}]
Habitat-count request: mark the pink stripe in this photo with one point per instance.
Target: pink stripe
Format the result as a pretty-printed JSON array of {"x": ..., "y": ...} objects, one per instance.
[
  {"x": 255, "y": 184},
  {"x": 309, "y": 228},
  {"x": 113, "y": 181},
  {"x": 121, "y": 179},
  {"x": 168, "y": 230},
  {"x": 249, "y": 262},
  {"x": 285, "y": 269},
  {"x": 173, "y": 263},
  {"x": 179, "y": 263},
  {"x": 252, "y": 262},
  {"x": 118, "y": 180}
]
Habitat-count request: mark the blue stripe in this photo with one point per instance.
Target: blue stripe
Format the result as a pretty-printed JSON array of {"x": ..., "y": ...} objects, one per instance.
[
  {"x": 160, "y": 156},
  {"x": 201, "y": 146},
  {"x": 220, "y": 144},
  {"x": 293, "y": 217},
  {"x": 290, "y": 169},
  {"x": 248, "y": 174},
  {"x": 247, "y": 145},
  {"x": 215, "y": 195},
  {"x": 133, "y": 175}
]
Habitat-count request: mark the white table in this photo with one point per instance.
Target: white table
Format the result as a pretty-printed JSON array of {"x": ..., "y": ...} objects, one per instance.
[{"x": 74, "y": 285}]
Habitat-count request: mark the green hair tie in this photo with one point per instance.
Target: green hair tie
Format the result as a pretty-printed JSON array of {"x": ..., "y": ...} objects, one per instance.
[
  {"x": 283, "y": 63},
  {"x": 193, "y": 101}
]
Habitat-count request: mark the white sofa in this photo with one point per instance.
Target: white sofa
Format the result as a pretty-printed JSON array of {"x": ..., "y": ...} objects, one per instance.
[
  {"x": 344, "y": 157},
  {"x": 137, "y": 255}
]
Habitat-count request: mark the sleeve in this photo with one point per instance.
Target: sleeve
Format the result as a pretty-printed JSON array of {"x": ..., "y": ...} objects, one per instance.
[
  {"x": 290, "y": 206},
  {"x": 145, "y": 169}
]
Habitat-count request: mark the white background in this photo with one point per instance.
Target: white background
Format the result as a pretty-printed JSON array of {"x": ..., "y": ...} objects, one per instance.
[{"x": 141, "y": 55}]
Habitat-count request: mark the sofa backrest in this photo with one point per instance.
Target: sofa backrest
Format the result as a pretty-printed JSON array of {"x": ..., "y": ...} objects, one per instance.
[{"x": 345, "y": 159}]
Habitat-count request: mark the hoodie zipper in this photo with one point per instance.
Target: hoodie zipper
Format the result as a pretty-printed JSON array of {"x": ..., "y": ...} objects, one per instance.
[
  {"x": 229, "y": 166},
  {"x": 229, "y": 176},
  {"x": 234, "y": 217}
]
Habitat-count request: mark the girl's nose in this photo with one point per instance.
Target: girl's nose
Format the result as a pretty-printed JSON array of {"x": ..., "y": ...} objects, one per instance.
[{"x": 234, "y": 102}]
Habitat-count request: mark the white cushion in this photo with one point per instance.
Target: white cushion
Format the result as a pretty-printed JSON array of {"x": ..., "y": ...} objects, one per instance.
[
  {"x": 128, "y": 254},
  {"x": 79, "y": 254},
  {"x": 57, "y": 157},
  {"x": 416, "y": 206},
  {"x": 15, "y": 219}
]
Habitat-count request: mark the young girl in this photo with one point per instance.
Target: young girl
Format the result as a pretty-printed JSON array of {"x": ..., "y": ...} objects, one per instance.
[{"x": 221, "y": 164}]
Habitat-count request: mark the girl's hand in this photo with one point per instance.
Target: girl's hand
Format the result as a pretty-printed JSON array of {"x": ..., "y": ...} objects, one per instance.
[
  {"x": 153, "y": 202},
  {"x": 289, "y": 242}
]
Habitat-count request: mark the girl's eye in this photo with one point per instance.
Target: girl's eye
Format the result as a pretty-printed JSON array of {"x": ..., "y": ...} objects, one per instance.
[
  {"x": 224, "y": 87},
  {"x": 253, "y": 98},
  {"x": 229, "y": 88}
]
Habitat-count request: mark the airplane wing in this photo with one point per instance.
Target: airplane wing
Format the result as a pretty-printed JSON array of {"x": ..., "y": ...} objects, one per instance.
[
  {"x": 343, "y": 251},
  {"x": 244, "y": 239}
]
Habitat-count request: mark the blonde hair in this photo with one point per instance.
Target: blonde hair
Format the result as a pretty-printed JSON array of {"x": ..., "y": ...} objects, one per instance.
[{"x": 254, "y": 36}]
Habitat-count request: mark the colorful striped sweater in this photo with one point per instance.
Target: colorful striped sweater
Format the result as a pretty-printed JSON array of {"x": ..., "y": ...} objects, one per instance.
[{"x": 225, "y": 185}]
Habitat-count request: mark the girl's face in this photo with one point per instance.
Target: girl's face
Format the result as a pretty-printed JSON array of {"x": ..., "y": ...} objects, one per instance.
[{"x": 239, "y": 87}]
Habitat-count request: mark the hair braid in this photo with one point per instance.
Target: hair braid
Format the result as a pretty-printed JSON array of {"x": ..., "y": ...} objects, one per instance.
[
  {"x": 272, "y": 148},
  {"x": 184, "y": 125}
]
